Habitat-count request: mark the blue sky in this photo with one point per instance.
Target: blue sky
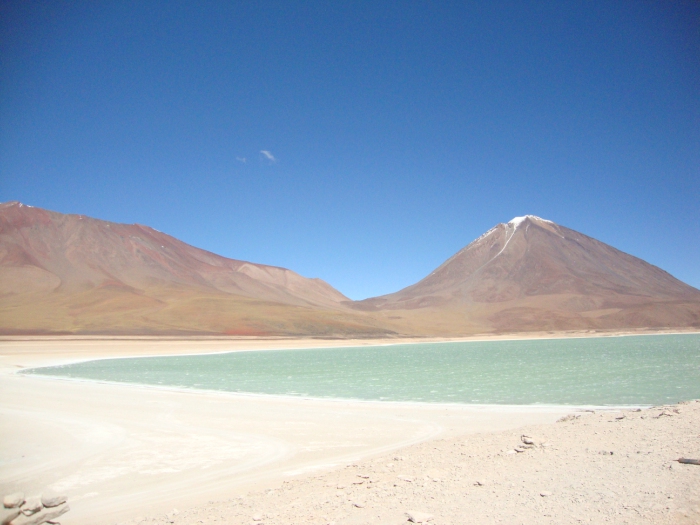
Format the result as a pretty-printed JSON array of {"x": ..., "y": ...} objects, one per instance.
[{"x": 360, "y": 142}]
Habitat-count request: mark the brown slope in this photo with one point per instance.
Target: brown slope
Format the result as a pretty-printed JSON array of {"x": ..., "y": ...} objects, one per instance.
[
  {"x": 77, "y": 274},
  {"x": 531, "y": 274}
]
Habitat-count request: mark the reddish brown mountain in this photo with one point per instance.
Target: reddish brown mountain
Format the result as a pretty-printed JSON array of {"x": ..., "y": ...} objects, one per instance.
[
  {"x": 71, "y": 273},
  {"x": 531, "y": 274}
]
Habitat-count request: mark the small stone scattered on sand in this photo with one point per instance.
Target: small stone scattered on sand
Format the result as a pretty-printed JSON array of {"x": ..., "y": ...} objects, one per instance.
[
  {"x": 419, "y": 517},
  {"x": 52, "y": 499},
  {"x": 32, "y": 506},
  {"x": 41, "y": 517},
  {"x": 13, "y": 500}
]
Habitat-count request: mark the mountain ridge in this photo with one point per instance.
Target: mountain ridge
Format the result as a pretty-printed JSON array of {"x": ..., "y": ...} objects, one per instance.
[
  {"x": 46, "y": 256},
  {"x": 67, "y": 273}
]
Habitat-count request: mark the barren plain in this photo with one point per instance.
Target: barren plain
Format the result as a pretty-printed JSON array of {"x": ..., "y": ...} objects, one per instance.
[{"x": 132, "y": 454}]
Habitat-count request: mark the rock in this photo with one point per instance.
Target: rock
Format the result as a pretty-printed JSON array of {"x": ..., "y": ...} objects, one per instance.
[
  {"x": 664, "y": 413},
  {"x": 545, "y": 493},
  {"x": 51, "y": 499},
  {"x": 257, "y": 517},
  {"x": 42, "y": 517},
  {"x": 32, "y": 506},
  {"x": 7, "y": 515},
  {"x": 479, "y": 483},
  {"x": 527, "y": 440},
  {"x": 13, "y": 500},
  {"x": 570, "y": 417},
  {"x": 358, "y": 505},
  {"x": 418, "y": 517},
  {"x": 406, "y": 478}
]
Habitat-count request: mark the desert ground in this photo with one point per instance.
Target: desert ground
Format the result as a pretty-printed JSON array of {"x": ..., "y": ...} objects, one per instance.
[{"x": 132, "y": 454}]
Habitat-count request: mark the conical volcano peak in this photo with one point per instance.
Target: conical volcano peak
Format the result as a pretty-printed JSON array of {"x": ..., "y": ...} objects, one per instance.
[
  {"x": 532, "y": 274},
  {"x": 517, "y": 221}
]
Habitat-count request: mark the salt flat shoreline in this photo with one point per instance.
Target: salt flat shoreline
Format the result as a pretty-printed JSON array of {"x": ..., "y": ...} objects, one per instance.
[
  {"x": 125, "y": 450},
  {"x": 50, "y": 350},
  {"x": 397, "y": 339}
]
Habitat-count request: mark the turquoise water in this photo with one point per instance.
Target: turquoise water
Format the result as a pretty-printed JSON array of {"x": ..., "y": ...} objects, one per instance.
[{"x": 593, "y": 371}]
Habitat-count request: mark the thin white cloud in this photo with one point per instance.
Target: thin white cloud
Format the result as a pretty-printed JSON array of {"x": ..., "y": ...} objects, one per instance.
[
  {"x": 269, "y": 156},
  {"x": 242, "y": 159}
]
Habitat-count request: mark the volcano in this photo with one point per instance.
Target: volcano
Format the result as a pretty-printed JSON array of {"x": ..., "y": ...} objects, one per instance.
[{"x": 531, "y": 274}]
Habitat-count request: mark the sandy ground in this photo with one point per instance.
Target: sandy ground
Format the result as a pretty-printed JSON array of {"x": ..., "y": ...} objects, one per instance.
[
  {"x": 123, "y": 451},
  {"x": 609, "y": 467}
]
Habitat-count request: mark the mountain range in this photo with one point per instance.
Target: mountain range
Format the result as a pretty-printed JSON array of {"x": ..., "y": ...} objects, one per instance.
[{"x": 71, "y": 274}]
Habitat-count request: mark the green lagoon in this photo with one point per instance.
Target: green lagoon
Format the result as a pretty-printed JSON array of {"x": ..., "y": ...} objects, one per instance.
[{"x": 634, "y": 370}]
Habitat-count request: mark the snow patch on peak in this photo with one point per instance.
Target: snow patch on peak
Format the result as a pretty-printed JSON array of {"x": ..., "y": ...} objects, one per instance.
[
  {"x": 467, "y": 247},
  {"x": 18, "y": 204},
  {"x": 483, "y": 235},
  {"x": 517, "y": 221}
]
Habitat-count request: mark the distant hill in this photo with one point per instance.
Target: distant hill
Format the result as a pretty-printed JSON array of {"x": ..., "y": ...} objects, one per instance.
[
  {"x": 531, "y": 274},
  {"x": 77, "y": 275},
  {"x": 74, "y": 274}
]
